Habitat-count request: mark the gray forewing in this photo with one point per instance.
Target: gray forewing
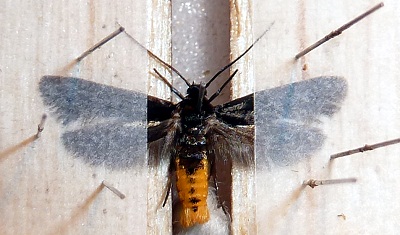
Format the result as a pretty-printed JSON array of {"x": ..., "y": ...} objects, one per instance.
[
  {"x": 77, "y": 99},
  {"x": 104, "y": 125}
]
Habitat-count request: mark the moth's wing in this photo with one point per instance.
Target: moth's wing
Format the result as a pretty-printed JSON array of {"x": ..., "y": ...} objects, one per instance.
[
  {"x": 287, "y": 118},
  {"x": 231, "y": 143},
  {"x": 159, "y": 109},
  {"x": 103, "y": 124},
  {"x": 228, "y": 145},
  {"x": 77, "y": 99},
  {"x": 161, "y": 129},
  {"x": 116, "y": 145},
  {"x": 162, "y": 140},
  {"x": 237, "y": 112}
]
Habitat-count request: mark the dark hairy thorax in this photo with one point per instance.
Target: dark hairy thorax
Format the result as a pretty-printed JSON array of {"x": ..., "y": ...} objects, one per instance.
[{"x": 194, "y": 110}]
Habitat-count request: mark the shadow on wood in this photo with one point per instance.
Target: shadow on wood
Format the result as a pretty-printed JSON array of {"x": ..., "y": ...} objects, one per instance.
[
  {"x": 282, "y": 210},
  {"x": 78, "y": 213},
  {"x": 11, "y": 150},
  {"x": 67, "y": 68}
]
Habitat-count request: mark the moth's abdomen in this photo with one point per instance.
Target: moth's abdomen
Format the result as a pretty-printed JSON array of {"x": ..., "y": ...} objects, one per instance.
[{"x": 192, "y": 185}]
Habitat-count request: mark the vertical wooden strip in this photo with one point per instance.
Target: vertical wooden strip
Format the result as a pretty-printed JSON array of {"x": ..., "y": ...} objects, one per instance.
[
  {"x": 159, "y": 42},
  {"x": 243, "y": 186},
  {"x": 241, "y": 39}
]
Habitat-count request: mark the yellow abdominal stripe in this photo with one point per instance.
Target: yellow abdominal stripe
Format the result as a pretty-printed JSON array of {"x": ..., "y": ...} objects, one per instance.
[{"x": 193, "y": 191}]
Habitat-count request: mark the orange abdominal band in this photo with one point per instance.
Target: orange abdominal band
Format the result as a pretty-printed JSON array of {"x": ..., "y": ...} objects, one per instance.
[{"x": 193, "y": 191}]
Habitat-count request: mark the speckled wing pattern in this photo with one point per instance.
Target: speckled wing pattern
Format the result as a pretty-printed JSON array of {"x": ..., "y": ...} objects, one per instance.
[
  {"x": 287, "y": 119},
  {"x": 103, "y": 123}
]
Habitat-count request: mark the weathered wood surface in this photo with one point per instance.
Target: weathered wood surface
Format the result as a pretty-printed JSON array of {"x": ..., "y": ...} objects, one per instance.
[
  {"x": 44, "y": 190},
  {"x": 366, "y": 56}
]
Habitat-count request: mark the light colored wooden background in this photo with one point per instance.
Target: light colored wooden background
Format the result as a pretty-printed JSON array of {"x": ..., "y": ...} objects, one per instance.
[
  {"x": 43, "y": 190},
  {"x": 367, "y": 56}
]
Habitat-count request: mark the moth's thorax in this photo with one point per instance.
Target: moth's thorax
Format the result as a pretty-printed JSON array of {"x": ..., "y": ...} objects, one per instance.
[
  {"x": 192, "y": 139},
  {"x": 193, "y": 111}
]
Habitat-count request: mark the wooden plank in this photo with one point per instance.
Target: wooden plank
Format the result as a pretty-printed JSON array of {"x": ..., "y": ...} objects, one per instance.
[
  {"x": 243, "y": 186},
  {"x": 159, "y": 43},
  {"x": 43, "y": 188},
  {"x": 366, "y": 57}
]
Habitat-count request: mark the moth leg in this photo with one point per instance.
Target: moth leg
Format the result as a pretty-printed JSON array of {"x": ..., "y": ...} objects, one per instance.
[
  {"x": 168, "y": 190},
  {"x": 169, "y": 183}
]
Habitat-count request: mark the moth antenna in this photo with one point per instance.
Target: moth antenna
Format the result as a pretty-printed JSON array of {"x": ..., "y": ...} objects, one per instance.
[
  {"x": 223, "y": 86},
  {"x": 173, "y": 89},
  {"x": 238, "y": 58},
  {"x": 159, "y": 59},
  {"x": 169, "y": 66}
]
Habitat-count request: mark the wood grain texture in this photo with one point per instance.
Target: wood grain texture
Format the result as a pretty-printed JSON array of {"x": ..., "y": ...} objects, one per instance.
[
  {"x": 45, "y": 190},
  {"x": 366, "y": 57},
  {"x": 159, "y": 42},
  {"x": 243, "y": 179}
]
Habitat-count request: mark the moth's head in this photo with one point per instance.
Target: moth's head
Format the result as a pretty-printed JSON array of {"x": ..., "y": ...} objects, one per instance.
[
  {"x": 197, "y": 91},
  {"x": 195, "y": 95}
]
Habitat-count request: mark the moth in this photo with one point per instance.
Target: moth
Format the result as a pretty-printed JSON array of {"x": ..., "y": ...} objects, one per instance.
[{"x": 193, "y": 134}]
